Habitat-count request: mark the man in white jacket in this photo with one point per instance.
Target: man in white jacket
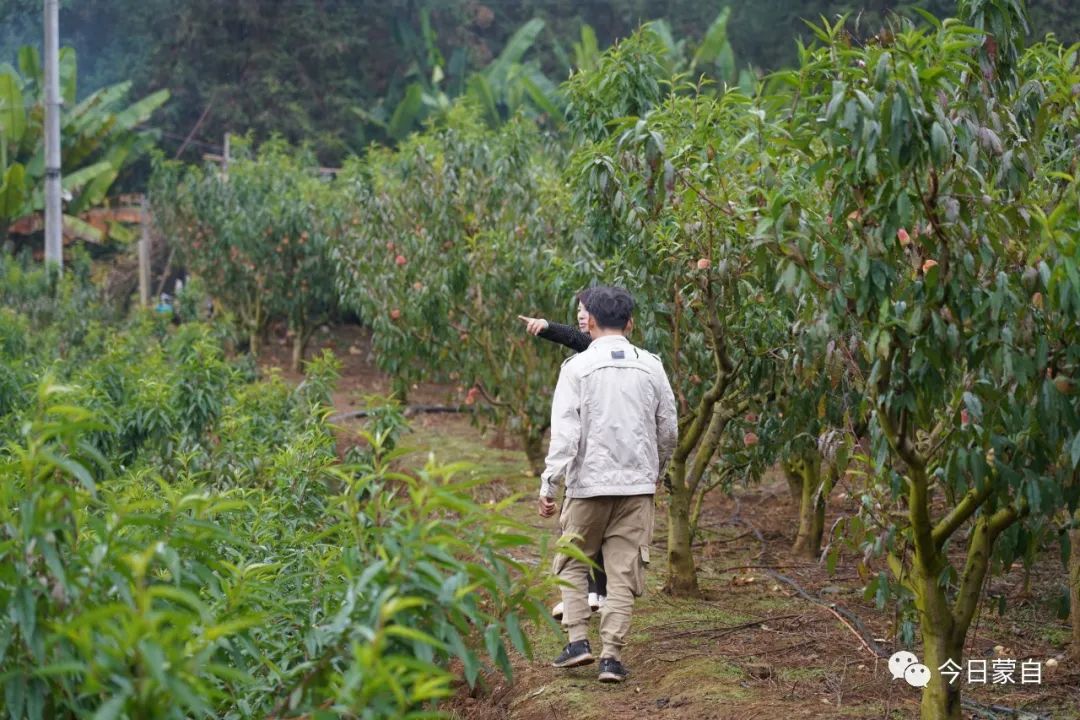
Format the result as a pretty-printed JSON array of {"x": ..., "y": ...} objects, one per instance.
[{"x": 613, "y": 430}]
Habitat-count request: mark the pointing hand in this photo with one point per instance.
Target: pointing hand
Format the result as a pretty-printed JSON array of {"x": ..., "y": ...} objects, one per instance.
[{"x": 534, "y": 326}]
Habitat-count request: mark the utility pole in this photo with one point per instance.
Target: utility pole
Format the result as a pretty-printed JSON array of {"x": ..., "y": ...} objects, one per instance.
[
  {"x": 54, "y": 253},
  {"x": 144, "y": 255},
  {"x": 226, "y": 156}
]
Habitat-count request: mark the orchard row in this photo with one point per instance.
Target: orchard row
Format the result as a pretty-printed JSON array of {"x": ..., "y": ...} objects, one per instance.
[{"x": 870, "y": 264}]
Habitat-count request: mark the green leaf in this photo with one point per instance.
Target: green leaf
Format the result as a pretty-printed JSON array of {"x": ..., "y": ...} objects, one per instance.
[
  {"x": 407, "y": 112},
  {"x": 541, "y": 99},
  {"x": 714, "y": 41},
  {"x": 82, "y": 229},
  {"x": 75, "y": 180},
  {"x": 73, "y": 468},
  {"x": 181, "y": 596},
  {"x": 14, "y": 193},
  {"x": 939, "y": 143},
  {"x": 112, "y": 708},
  {"x": 30, "y": 64},
  {"x": 480, "y": 91},
  {"x": 12, "y": 112},
  {"x": 514, "y": 50},
  {"x": 974, "y": 406},
  {"x": 68, "y": 75},
  {"x": 517, "y": 637},
  {"x": 1074, "y": 451},
  {"x": 232, "y": 627},
  {"x": 411, "y": 633},
  {"x": 141, "y": 111}
]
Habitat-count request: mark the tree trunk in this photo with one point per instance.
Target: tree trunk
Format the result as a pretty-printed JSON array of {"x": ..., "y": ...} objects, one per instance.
[
  {"x": 941, "y": 699},
  {"x": 682, "y": 575},
  {"x": 254, "y": 342},
  {"x": 942, "y": 641},
  {"x": 794, "y": 481},
  {"x": 300, "y": 341},
  {"x": 944, "y": 626},
  {"x": 811, "y": 507},
  {"x": 534, "y": 451},
  {"x": 399, "y": 390},
  {"x": 1074, "y": 588}
]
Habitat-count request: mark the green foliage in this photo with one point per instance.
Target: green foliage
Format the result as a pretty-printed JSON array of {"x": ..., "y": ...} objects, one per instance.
[
  {"x": 674, "y": 195},
  {"x": 256, "y": 234},
  {"x": 64, "y": 312},
  {"x": 216, "y": 560},
  {"x": 446, "y": 237},
  {"x": 334, "y": 74},
  {"x": 933, "y": 224},
  {"x": 951, "y": 229},
  {"x": 628, "y": 81},
  {"x": 877, "y": 247},
  {"x": 507, "y": 86},
  {"x": 99, "y": 137}
]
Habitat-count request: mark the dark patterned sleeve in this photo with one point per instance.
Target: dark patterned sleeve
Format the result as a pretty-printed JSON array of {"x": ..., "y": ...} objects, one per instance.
[{"x": 566, "y": 335}]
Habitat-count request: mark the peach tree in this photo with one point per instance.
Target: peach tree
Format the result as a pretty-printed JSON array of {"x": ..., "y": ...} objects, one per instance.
[
  {"x": 943, "y": 237},
  {"x": 674, "y": 196},
  {"x": 446, "y": 239},
  {"x": 257, "y": 233}
]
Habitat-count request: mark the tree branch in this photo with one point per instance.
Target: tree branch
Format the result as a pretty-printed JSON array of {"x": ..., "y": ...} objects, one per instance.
[
  {"x": 921, "y": 524},
  {"x": 956, "y": 517},
  {"x": 1006, "y": 516},
  {"x": 707, "y": 448}
]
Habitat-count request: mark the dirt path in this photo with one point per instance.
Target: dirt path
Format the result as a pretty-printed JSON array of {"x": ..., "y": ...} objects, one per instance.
[{"x": 753, "y": 647}]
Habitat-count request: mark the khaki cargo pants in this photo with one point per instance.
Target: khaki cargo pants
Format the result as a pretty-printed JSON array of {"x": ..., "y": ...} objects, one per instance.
[{"x": 621, "y": 526}]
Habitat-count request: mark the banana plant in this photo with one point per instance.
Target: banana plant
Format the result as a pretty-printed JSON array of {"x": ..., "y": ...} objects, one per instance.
[
  {"x": 100, "y": 136},
  {"x": 509, "y": 83}
]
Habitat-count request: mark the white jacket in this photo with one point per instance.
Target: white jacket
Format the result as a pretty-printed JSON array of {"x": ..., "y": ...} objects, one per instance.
[{"x": 613, "y": 422}]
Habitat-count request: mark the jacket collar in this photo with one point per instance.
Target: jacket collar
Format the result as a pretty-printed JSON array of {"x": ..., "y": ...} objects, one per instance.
[{"x": 610, "y": 340}]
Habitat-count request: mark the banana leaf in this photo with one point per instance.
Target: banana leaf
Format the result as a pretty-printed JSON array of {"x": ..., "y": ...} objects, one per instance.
[
  {"x": 30, "y": 65},
  {"x": 712, "y": 46},
  {"x": 479, "y": 90},
  {"x": 13, "y": 194},
  {"x": 74, "y": 181},
  {"x": 68, "y": 75},
  {"x": 587, "y": 52},
  {"x": 516, "y": 47},
  {"x": 407, "y": 113},
  {"x": 542, "y": 92},
  {"x": 82, "y": 229},
  {"x": 139, "y": 112},
  {"x": 12, "y": 112}
]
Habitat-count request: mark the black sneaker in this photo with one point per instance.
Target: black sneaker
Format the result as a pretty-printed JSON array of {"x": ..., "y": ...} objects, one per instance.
[
  {"x": 574, "y": 654},
  {"x": 612, "y": 671}
]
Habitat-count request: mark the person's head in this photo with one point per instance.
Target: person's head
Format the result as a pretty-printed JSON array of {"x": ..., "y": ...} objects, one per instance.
[
  {"x": 582, "y": 313},
  {"x": 610, "y": 310}
]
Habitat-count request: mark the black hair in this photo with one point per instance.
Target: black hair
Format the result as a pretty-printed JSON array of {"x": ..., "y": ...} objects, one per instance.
[
  {"x": 611, "y": 307},
  {"x": 583, "y": 296}
]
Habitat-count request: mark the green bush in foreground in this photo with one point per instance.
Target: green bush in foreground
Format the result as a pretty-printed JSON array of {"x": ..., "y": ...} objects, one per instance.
[{"x": 232, "y": 567}]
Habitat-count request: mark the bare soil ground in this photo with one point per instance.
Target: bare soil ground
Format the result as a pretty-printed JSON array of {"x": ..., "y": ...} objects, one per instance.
[{"x": 752, "y": 647}]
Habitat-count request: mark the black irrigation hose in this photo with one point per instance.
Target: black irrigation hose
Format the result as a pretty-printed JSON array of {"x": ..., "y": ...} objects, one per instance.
[
  {"x": 994, "y": 712},
  {"x": 409, "y": 411}
]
